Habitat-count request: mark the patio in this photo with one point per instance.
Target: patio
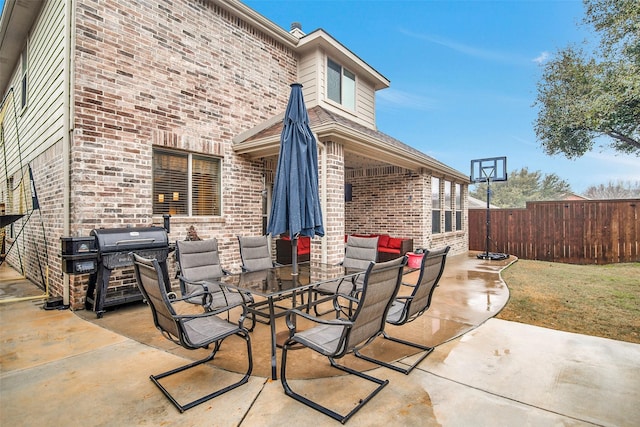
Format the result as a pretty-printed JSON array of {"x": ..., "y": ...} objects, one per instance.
[{"x": 69, "y": 367}]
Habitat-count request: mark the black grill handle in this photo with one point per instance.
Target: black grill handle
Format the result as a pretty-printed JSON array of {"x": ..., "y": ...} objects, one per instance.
[{"x": 134, "y": 241}]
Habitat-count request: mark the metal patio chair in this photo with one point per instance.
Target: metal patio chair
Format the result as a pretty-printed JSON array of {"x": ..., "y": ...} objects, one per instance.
[
  {"x": 337, "y": 337},
  {"x": 407, "y": 308},
  {"x": 199, "y": 266},
  {"x": 256, "y": 256},
  {"x": 192, "y": 331},
  {"x": 255, "y": 253},
  {"x": 359, "y": 253}
]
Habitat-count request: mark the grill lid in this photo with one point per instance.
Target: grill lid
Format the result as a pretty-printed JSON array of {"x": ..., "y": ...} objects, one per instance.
[{"x": 127, "y": 239}]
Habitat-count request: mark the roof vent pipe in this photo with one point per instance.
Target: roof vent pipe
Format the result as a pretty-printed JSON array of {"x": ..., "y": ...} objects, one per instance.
[{"x": 296, "y": 30}]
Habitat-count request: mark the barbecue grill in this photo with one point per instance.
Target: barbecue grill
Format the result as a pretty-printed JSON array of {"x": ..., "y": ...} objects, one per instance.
[{"x": 113, "y": 250}]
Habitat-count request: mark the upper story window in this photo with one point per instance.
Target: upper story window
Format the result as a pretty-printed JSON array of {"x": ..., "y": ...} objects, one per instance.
[
  {"x": 341, "y": 85},
  {"x": 186, "y": 183},
  {"x": 23, "y": 78}
]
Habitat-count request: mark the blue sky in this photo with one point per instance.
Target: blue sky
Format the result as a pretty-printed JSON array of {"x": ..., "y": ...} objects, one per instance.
[{"x": 463, "y": 75}]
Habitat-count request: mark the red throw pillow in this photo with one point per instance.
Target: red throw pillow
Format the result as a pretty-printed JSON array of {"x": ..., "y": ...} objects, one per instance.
[
  {"x": 395, "y": 243},
  {"x": 304, "y": 243},
  {"x": 383, "y": 240}
]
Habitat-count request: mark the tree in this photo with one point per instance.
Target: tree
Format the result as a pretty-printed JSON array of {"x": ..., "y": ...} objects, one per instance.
[
  {"x": 523, "y": 186},
  {"x": 618, "y": 190},
  {"x": 582, "y": 98}
]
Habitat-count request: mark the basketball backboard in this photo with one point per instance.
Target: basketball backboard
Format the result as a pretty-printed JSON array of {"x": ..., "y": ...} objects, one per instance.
[{"x": 491, "y": 169}]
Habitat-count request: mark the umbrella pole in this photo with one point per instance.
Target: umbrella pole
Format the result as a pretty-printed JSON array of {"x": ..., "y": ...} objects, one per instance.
[{"x": 294, "y": 256}]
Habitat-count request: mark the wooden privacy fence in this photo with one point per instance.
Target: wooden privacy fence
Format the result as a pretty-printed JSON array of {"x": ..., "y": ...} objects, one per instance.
[{"x": 574, "y": 231}]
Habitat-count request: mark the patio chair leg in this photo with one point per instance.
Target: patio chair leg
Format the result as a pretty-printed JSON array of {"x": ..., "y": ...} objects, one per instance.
[
  {"x": 427, "y": 350},
  {"x": 156, "y": 378},
  {"x": 318, "y": 407}
]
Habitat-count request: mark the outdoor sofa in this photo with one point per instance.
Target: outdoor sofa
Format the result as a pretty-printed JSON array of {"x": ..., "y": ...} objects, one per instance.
[{"x": 388, "y": 247}]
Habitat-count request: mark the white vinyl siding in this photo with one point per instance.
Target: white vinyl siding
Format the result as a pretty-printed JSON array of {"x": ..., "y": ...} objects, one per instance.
[
  {"x": 366, "y": 96},
  {"x": 312, "y": 74},
  {"x": 307, "y": 76},
  {"x": 40, "y": 124}
]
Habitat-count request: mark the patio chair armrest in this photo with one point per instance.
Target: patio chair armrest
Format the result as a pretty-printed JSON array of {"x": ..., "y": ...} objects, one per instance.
[
  {"x": 295, "y": 312},
  {"x": 192, "y": 282},
  {"x": 350, "y": 297},
  {"x": 188, "y": 297},
  {"x": 213, "y": 312}
]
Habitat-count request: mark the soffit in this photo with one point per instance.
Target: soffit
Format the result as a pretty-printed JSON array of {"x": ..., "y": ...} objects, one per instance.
[
  {"x": 364, "y": 147},
  {"x": 17, "y": 18}
]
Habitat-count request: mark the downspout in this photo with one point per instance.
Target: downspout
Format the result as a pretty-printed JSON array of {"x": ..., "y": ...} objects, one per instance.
[
  {"x": 323, "y": 197},
  {"x": 67, "y": 134}
]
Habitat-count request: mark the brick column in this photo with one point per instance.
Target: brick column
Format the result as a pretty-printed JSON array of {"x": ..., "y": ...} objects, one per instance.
[{"x": 331, "y": 167}]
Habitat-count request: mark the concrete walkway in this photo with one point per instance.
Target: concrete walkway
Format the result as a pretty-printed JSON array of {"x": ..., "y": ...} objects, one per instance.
[{"x": 68, "y": 368}]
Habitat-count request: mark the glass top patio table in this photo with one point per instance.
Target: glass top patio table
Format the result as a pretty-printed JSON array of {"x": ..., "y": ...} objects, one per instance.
[{"x": 279, "y": 282}]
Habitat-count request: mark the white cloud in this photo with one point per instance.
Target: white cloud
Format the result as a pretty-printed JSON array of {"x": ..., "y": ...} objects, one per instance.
[
  {"x": 393, "y": 98},
  {"x": 464, "y": 48},
  {"x": 542, "y": 58}
]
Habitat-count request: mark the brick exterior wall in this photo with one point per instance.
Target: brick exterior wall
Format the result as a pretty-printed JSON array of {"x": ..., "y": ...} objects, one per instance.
[
  {"x": 190, "y": 77},
  {"x": 385, "y": 203},
  {"x": 35, "y": 245},
  {"x": 395, "y": 201}
]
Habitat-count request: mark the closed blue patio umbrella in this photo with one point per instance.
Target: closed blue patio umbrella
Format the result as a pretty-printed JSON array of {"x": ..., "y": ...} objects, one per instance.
[{"x": 296, "y": 203}]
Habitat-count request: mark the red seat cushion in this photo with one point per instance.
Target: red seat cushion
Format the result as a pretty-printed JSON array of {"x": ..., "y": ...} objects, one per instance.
[
  {"x": 304, "y": 245},
  {"x": 395, "y": 243},
  {"x": 388, "y": 250}
]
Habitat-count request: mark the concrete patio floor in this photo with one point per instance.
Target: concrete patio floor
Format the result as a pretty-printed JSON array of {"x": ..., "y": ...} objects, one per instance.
[{"x": 59, "y": 367}]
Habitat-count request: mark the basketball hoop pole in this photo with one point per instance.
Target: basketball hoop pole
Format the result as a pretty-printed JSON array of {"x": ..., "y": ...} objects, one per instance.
[{"x": 486, "y": 246}]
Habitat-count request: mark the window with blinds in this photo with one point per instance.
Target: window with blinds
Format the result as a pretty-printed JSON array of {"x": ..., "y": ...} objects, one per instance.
[
  {"x": 458, "y": 188},
  {"x": 448, "y": 207},
  {"x": 186, "y": 184},
  {"x": 436, "y": 226}
]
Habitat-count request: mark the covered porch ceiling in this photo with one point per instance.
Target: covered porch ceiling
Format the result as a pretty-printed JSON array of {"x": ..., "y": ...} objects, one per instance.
[{"x": 365, "y": 148}]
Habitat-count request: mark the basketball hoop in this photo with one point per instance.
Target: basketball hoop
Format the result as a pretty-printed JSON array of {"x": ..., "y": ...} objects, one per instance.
[{"x": 487, "y": 170}]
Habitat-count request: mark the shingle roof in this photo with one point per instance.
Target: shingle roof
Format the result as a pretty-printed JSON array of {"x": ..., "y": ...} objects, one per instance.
[{"x": 321, "y": 117}]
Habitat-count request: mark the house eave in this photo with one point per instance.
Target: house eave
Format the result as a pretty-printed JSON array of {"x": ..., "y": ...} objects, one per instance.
[
  {"x": 356, "y": 142},
  {"x": 324, "y": 41},
  {"x": 17, "y": 19},
  {"x": 254, "y": 18}
]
